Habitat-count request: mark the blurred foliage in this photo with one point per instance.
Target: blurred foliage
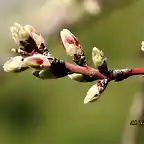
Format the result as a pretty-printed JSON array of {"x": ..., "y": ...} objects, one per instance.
[{"x": 34, "y": 111}]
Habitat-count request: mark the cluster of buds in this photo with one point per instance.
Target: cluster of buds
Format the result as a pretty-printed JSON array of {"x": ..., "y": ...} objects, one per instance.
[
  {"x": 23, "y": 36},
  {"x": 74, "y": 49}
]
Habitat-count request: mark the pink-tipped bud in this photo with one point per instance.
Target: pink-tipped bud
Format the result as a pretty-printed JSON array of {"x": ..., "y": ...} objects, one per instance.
[{"x": 70, "y": 43}]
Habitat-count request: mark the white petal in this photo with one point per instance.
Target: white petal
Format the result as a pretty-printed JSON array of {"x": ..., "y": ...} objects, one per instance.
[{"x": 18, "y": 26}]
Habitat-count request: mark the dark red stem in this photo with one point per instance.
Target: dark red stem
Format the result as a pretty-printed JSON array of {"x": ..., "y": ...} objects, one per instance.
[{"x": 84, "y": 70}]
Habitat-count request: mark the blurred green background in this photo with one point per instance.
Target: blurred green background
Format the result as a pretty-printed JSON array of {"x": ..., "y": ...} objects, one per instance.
[{"x": 34, "y": 111}]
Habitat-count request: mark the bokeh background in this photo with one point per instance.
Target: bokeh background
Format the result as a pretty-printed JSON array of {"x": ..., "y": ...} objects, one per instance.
[{"x": 34, "y": 111}]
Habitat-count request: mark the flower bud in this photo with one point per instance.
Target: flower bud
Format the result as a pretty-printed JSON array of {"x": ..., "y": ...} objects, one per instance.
[
  {"x": 13, "y": 64},
  {"x": 98, "y": 57},
  {"x": 76, "y": 76},
  {"x": 14, "y": 50},
  {"x": 142, "y": 46},
  {"x": 19, "y": 33},
  {"x": 70, "y": 43},
  {"x": 95, "y": 91}
]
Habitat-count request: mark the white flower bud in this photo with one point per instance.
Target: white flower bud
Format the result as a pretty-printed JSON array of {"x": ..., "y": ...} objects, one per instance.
[
  {"x": 97, "y": 57},
  {"x": 92, "y": 94},
  {"x": 13, "y": 64},
  {"x": 95, "y": 91},
  {"x": 19, "y": 33},
  {"x": 142, "y": 46},
  {"x": 76, "y": 77}
]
